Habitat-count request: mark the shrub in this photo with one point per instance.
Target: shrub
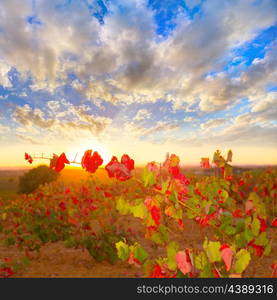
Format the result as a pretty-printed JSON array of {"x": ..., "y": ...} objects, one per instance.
[{"x": 31, "y": 180}]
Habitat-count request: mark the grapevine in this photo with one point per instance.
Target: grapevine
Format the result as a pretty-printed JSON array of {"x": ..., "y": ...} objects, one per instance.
[{"x": 162, "y": 198}]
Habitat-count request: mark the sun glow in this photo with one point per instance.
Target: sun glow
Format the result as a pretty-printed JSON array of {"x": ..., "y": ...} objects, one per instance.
[{"x": 76, "y": 153}]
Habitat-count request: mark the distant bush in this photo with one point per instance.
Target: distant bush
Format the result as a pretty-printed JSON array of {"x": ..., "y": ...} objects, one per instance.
[{"x": 31, "y": 180}]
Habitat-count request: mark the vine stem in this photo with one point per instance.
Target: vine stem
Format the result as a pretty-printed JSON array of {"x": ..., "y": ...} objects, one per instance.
[
  {"x": 212, "y": 225},
  {"x": 273, "y": 207},
  {"x": 49, "y": 158},
  {"x": 136, "y": 179}
]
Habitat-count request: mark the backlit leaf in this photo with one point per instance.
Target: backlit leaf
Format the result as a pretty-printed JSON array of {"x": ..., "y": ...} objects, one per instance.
[
  {"x": 140, "y": 254},
  {"x": 123, "y": 250},
  {"x": 200, "y": 261},
  {"x": 171, "y": 250},
  {"x": 183, "y": 262},
  {"x": 148, "y": 177},
  {"x": 213, "y": 251},
  {"x": 122, "y": 206},
  {"x": 255, "y": 226},
  {"x": 138, "y": 211},
  {"x": 242, "y": 260},
  {"x": 262, "y": 239}
]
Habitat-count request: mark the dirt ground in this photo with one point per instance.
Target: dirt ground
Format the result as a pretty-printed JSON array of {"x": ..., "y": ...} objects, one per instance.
[{"x": 55, "y": 260}]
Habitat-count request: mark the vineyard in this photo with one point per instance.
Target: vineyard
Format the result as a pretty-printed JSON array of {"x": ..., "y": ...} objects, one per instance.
[{"x": 155, "y": 221}]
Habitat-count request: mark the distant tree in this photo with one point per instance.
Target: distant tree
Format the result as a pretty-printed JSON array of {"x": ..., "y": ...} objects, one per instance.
[{"x": 31, "y": 180}]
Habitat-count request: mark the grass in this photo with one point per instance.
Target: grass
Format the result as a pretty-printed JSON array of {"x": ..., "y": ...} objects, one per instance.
[{"x": 8, "y": 186}]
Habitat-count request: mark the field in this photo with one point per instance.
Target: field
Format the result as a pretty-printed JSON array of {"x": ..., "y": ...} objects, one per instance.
[
  {"x": 9, "y": 183},
  {"x": 161, "y": 221}
]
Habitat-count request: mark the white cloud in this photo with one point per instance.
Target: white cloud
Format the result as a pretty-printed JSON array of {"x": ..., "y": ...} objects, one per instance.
[
  {"x": 67, "y": 122},
  {"x": 54, "y": 106},
  {"x": 132, "y": 129},
  {"x": 27, "y": 116},
  {"x": 264, "y": 102},
  {"x": 252, "y": 130},
  {"x": 142, "y": 114},
  {"x": 213, "y": 123},
  {"x": 121, "y": 61},
  {"x": 189, "y": 119},
  {"x": 161, "y": 126},
  {"x": 4, "y": 78},
  {"x": 192, "y": 3}
]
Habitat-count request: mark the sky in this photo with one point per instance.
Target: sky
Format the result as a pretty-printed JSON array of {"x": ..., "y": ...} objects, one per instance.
[{"x": 142, "y": 77}]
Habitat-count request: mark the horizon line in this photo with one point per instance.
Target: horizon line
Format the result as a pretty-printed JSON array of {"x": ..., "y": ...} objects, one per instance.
[{"x": 20, "y": 167}]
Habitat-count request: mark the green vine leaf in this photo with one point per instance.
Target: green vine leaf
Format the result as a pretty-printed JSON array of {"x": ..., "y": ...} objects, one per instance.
[
  {"x": 255, "y": 226},
  {"x": 171, "y": 250},
  {"x": 140, "y": 254},
  {"x": 148, "y": 177},
  {"x": 123, "y": 250},
  {"x": 242, "y": 260},
  {"x": 213, "y": 250}
]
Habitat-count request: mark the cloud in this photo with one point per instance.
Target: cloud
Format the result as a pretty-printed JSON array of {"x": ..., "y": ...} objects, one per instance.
[
  {"x": 124, "y": 60},
  {"x": 189, "y": 119},
  {"x": 29, "y": 140},
  {"x": 264, "y": 102},
  {"x": 4, "y": 77},
  {"x": 132, "y": 135},
  {"x": 142, "y": 114},
  {"x": 192, "y": 3},
  {"x": 252, "y": 130},
  {"x": 54, "y": 106},
  {"x": 221, "y": 90},
  {"x": 161, "y": 126},
  {"x": 60, "y": 121},
  {"x": 97, "y": 91},
  {"x": 27, "y": 116},
  {"x": 252, "y": 134},
  {"x": 213, "y": 123},
  {"x": 43, "y": 49}
]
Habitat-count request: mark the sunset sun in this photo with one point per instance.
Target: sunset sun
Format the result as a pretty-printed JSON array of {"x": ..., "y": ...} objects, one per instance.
[{"x": 75, "y": 154}]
